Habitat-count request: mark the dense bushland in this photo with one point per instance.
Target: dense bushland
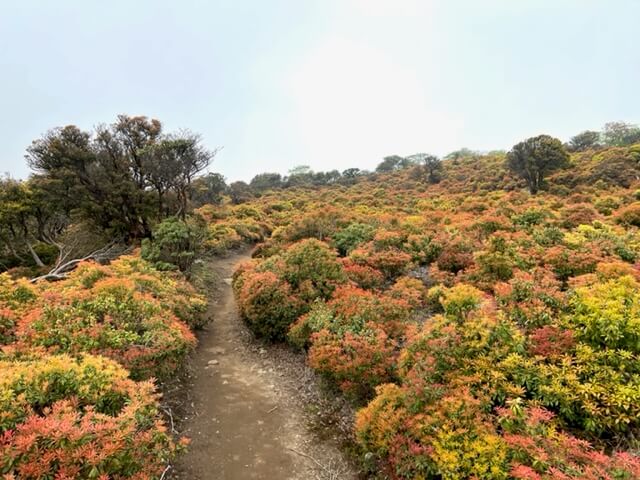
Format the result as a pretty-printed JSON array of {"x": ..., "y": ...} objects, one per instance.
[
  {"x": 482, "y": 331},
  {"x": 78, "y": 360},
  {"x": 485, "y": 332}
]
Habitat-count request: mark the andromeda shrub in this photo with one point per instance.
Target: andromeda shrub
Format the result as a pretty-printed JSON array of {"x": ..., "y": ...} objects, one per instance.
[
  {"x": 175, "y": 243},
  {"x": 352, "y": 236},
  {"x": 353, "y": 338},
  {"x": 276, "y": 291},
  {"x": 63, "y": 417},
  {"x": 125, "y": 311},
  {"x": 531, "y": 299},
  {"x": 629, "y": 215},
  {"x": 267, "y": 304},
  {"x": 312, "y": 269}
]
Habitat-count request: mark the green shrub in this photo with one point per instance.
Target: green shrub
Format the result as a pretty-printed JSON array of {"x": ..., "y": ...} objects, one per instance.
[
  {"x": 351, "y": 237},
  {"x": 175, "y": 243}
]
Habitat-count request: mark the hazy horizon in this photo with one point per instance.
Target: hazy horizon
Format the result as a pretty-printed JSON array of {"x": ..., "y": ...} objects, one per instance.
[{"x": 330, "y": 84}]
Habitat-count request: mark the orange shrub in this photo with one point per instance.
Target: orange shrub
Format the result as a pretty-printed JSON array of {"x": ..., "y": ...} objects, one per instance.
[
  {"x": 79, "y": 418},
  {"x": 267, "y": 304},
  {"x": 356, "y": 362},
  {"x": 110, "y": 318},
  {"x": 362, "y": 275},
  {"x": 629, "y": 215}
]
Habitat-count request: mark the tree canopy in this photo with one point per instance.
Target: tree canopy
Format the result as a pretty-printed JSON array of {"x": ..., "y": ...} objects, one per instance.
[{"x": 535, "y": 157}]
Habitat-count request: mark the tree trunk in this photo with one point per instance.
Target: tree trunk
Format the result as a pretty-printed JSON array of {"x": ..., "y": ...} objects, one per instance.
[{"x": 35, "y": 256}]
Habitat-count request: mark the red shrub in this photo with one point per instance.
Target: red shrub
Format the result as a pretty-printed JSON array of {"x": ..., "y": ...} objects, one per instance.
[
  {"x": 551, "y": 341},
  {"x": 362, "y": 275},
  {"x": 355, "y": 362},
  {"x": 267, "y": 304}
]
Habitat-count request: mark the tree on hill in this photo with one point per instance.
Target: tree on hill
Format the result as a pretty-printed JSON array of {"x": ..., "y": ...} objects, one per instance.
[
  {"x": 430, "y": 164},
  {"x": 266, "y": 181},
  {"x": 240, "y": 192},
  {"x": 299, "y": 175},
  {"x": 392, "y": 163},
  {"x": 208, "y": 189},
  {"x": 584, "y": 141},
  {"x": 535, "y": 157},
  {"x": 619, "y": 134},
  {"x": 389, "y": 164},
  {"x": 462, "y": 153}
]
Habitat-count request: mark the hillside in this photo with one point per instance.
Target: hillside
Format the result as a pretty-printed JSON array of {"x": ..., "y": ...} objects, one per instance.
[
  {"x": 477, "y": 330},
  {"x": 485, "y": 332}
]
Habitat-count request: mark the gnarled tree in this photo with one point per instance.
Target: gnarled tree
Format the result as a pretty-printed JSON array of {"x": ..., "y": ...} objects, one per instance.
[{"x": 535, "y": 157}]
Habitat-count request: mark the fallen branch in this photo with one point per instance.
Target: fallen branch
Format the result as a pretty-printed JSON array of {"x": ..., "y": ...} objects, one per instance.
[
  {"x": 63, "y": 266},
  {"x": 167, "y": 410},
  {"x": 165, "y": 472},
  {"x": 273, "y": 409}
]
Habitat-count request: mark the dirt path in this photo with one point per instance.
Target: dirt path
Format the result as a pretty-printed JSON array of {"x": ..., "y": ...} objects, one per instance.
[{"x": 243, "y": 413}]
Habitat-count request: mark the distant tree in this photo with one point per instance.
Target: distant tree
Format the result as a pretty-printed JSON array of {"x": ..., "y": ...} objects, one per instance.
[
  {"x": 430, "y": 164},
  {"x": 326, "y": 178},
  {"x": 535, "y": 157},
  {"x": 332, "y": 176},
  {"x": 392, "y": 163},
  {"x": 299, "y": 176},
  {"x": 300, "y": 170},
  {"x": 208, "y": 189},
  {"x": 462, "y": 153},
  {"x": 584, "y": 141},
  {"x": 240, "y": 192},
  {"x": 266, "y": 181},
  {"x": 351, "y": 173},
  {"x": 350, "y": 176},
  {"x": 618, "y": 134}
]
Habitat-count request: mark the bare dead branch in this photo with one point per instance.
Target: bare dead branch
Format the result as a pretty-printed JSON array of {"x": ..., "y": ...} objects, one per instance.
[{"x": 63, "y": 266}]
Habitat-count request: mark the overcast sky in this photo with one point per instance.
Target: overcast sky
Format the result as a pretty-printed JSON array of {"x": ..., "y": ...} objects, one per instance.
[{"x": 326, "y": 83}]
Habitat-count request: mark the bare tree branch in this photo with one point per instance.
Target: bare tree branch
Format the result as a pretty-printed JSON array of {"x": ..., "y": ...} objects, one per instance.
[{"x": 63, "y": 266}]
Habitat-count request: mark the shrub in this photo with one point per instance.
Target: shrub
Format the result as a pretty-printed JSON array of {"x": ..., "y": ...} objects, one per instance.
[
  {"x": 433, "y": 425},
  {"x": 392, "y": 262},
  {"x": 312, "y": 269},
  {"x": 538, "y": 450},
  {"x": 580, "y": 214},
  {"x": 79, "y": 418},
  {"x": 454, "y": 258},
  {"x": 175, "y": 243},
  {"x": 267, "y": 304},
  {"x": 362, "y": 275},
  {"x": 629, "y": 215},
  {"x": 169, "y": 289},
  {"x": 424, "y": 249},
  {"x": 567, "y": 263},
  {"x": 355, "y": 361},
  {"x": 410, "y": 290},
  {"x": 110, "y": 318},
  {"x": 352, "y": 338},
  {"x": 460, "y": 300},
  {"x": 7, "y": 324},
  {"x": 351, "y": 237},
  {"x": 496, "y": 262},
  {"x": 607, "y": 315},
  {"x": 531, "y": 299}
]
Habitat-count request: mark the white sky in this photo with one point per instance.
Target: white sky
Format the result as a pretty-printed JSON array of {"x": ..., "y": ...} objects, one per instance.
[{"x": 326, "y": 83}]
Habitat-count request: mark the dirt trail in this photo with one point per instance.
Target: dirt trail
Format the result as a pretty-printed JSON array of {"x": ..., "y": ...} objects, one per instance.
[{"x": 242, "y": 412}]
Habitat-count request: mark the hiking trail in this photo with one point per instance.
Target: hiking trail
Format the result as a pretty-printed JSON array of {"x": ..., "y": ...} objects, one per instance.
[{"x": 245, "y": 405}]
